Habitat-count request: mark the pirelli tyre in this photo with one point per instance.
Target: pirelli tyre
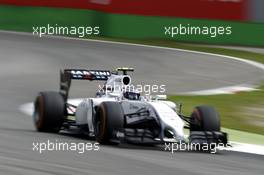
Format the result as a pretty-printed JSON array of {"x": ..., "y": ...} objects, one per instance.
[
  {"x": 205, "y": 118},
  {"x": 49, "y": 110},
  {"x": 108, "y": 120}
]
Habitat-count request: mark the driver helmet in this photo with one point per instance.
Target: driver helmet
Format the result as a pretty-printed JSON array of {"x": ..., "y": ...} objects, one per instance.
[{"x": 131, "y": 94}]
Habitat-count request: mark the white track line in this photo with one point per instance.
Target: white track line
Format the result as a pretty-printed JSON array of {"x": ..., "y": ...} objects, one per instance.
[
  {"x": 223, "y": 90},
  {"x": 246, "y": 148}
]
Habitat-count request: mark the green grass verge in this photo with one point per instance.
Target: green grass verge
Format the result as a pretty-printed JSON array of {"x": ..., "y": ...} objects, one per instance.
[
  {"x": 237, "y": 111},
  {"x": 244, "y": 137}
]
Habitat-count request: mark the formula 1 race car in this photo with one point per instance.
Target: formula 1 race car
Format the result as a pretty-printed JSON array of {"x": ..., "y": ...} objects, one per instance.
[{"x": 118, "y": 115}]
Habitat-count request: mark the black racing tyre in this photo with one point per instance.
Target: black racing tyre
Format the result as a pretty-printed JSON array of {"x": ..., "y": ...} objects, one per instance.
[
  {"x": 109, "y": 118},
  {"x": 49, "y": 110},
  {"x": 205, "y": 118}
]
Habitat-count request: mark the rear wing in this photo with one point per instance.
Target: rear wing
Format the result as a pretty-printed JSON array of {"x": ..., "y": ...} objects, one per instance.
[{"x": 80, "y": 74}]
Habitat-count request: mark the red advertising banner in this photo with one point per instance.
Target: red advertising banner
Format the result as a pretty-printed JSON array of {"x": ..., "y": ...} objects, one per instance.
[{"x": 207, "y": 9}]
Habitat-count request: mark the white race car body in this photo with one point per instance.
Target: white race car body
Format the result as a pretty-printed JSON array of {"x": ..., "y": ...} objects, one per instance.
[
  {"x": 118, "y": 113},
  {"x": 165, "y": 111},
  {"x": 162, "y": 112}
]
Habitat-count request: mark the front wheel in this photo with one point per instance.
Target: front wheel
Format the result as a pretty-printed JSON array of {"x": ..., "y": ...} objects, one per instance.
[
  {"x": 205, "y": 118},
  {"x": 109, "y": 119}
]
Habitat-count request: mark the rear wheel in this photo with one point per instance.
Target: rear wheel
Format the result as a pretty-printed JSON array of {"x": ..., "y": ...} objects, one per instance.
[
  {"x": 49, "y": 112},
  {"x": 109, "y": 118},
  {"x": 205, "y": 118}
]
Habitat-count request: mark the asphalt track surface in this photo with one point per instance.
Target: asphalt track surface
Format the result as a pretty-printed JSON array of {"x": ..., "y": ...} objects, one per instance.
[{"x": 29, "y": 64}]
